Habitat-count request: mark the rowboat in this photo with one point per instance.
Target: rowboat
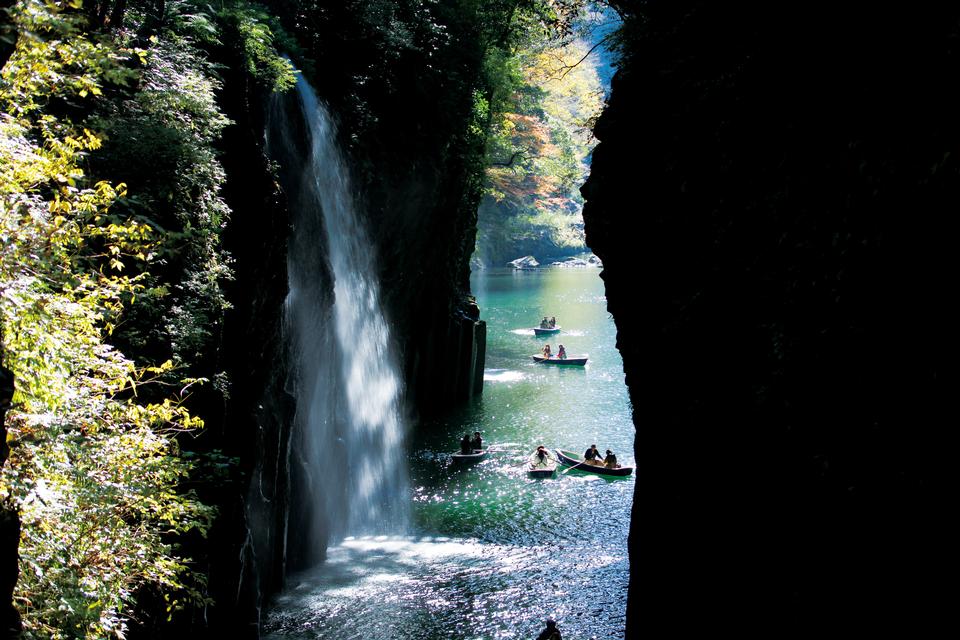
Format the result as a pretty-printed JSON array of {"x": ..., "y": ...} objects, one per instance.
[
  {"x": 571, "y": 459},
  {"x": 466, "y": 458},
  {"x": 568, "y": 361},
  {"x": 538, "y": 471},
  {"x": 546, "y": 332}
]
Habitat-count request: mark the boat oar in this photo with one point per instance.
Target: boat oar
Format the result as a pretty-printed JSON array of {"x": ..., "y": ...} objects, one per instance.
[
  {"x": 498, "y": 451},
  {"x": 573, "y": 467}
]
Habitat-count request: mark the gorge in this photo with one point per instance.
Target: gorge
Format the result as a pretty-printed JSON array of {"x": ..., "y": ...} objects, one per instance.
[{"x": 189, "y": 231}]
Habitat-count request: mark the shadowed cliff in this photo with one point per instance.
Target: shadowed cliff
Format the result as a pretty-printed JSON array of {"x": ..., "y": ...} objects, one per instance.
[
  {"x": 401, "y": 78},
  {"x": 770, "y": 199},
  {"x": 415, "y": 173}
]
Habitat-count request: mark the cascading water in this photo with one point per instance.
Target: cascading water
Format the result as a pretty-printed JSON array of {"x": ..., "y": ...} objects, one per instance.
[{"x": 344, "y": 374}]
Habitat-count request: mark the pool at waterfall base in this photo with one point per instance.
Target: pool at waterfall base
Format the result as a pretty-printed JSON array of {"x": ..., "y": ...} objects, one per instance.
[{"x": 492, "y": 552}]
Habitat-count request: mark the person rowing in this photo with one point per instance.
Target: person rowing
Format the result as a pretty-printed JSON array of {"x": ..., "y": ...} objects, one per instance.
[
  {"x": 592, "y": 456},
  {"x": 541, "y": 458}
]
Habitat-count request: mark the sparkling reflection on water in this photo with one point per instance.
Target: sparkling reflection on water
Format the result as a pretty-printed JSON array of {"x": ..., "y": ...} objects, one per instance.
[{"x": 497, "y": 552}]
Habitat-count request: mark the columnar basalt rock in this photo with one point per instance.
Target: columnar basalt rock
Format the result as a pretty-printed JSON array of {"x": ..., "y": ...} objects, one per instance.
[
  {"x": 769, "y": 199},
  {"x": 248, "y": 554},
  {"x": 417, "y": 164}
]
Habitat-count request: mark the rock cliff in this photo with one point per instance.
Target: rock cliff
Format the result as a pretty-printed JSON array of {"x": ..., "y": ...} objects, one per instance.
[
  {"x": 416, "y": 172},
  {"x": 769, "y": 200}
]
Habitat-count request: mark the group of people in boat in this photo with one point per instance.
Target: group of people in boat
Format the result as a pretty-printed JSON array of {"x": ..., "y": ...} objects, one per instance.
[
  {"x": 550, "y": 323},
  {"x": 542, "y": 457},
  {"x": 470, "y": 445},
  {"x": 561, "y": 352},
  {"x": 592, "y": 456}
]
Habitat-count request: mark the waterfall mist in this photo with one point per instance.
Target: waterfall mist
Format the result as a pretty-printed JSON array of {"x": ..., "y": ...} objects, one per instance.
[{"x": 344, "y": 376}]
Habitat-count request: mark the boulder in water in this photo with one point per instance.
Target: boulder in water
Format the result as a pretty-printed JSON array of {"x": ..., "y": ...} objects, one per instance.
[
  {"x": 526, "y": 262},
  {"x": 570, "y": 262}
]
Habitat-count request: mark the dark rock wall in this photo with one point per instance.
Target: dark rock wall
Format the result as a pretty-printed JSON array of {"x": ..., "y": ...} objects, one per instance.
[
  {"x": 247, "y": 553},
  {"x": 8, "y": 34},
  {"x": 415, "y": 169},
  {"x": 770, "y": 199},
  {"x": 403, "y": 89}
]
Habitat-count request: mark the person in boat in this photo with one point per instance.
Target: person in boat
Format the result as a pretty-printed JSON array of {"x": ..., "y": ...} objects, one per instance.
[
  {"x": 562, "y": 353},
  {"x": 465, "y": 444},
  {"x": 477, "y": 442},
  {"x": 544, "y": 324},
  {"x": 551, "y": 632},
  {"x": 592, "y": 456},
  {"x": 541, "y": 457},
  {"x": 610, "y": 460},
  {"x": 553, "y": 322},
  {"x": 546, "y": 351}
]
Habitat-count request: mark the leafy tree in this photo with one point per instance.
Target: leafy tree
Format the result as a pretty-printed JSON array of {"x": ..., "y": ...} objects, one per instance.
[
  {"x": 537, "y": 149},
  {"x": 95, "y": 470}
]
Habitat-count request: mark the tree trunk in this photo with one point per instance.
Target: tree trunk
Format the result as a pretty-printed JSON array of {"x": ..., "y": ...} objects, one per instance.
[
  {"x": 8, "y": 31},
  {"x": 9, "y": 524},
  {"x": 116, "y": 16}
]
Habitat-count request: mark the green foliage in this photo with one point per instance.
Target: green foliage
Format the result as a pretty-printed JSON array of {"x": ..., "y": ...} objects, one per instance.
[
  {"x": 253, "y": 31},
  {"x": 545, "y": 95},
  {"x": 56, "y": 60},
  {"x": 94, "y": 468},
  {"x": 161, "y": 138}
]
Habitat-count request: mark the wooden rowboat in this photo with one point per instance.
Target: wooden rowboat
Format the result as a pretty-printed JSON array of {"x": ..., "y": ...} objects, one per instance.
[
  {"x": 546, "y": 332},
  {"x": 569, "y": 361},
  {"x": 571, "y": 459},
  {"x": 466, "y": 458},
  {"x": 536, "y": 471}
]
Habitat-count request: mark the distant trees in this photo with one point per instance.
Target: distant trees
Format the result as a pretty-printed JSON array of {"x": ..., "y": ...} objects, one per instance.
[{"x": 546, "y": 94}]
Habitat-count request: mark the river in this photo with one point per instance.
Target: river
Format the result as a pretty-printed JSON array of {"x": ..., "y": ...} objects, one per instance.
[{"x": 492, "y": 553}]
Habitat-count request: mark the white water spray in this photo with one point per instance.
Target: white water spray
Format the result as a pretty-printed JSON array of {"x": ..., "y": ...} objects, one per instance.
[{"x": 347, "y": 385}]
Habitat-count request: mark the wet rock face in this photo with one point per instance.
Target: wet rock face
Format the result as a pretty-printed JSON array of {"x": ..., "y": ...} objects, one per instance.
[
  {"x": 771, "y": 220},
  {"x": 413, "y": 171},
  {"x": 420, "y": 196},
  {"x": 418, "y": 170}
]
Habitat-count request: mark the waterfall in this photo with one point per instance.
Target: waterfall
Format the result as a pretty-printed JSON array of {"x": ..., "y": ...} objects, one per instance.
[{"x": 344, "y": 373}]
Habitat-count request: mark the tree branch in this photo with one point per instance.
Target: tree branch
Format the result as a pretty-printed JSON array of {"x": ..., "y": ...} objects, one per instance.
[
  {"x": 516, "y": 154},
  {"x": 567, "y": 68}
]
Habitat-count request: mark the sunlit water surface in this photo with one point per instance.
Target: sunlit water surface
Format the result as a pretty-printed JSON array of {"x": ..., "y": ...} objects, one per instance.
[{"x": 494, "y": 552}]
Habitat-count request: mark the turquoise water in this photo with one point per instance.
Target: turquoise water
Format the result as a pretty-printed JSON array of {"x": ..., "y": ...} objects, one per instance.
[{"x": 492, "y": 553}]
